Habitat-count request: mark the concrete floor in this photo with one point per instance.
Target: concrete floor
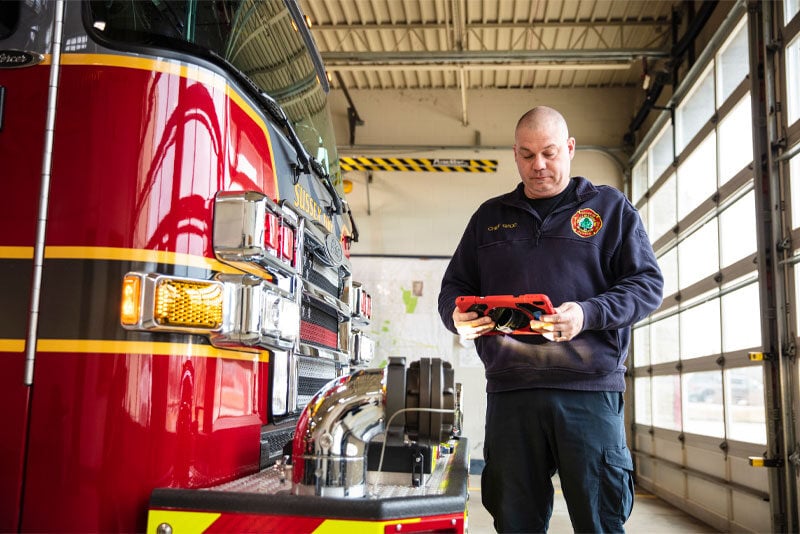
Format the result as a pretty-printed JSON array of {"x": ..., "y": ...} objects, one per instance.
[{"x": 651, "y": 515}]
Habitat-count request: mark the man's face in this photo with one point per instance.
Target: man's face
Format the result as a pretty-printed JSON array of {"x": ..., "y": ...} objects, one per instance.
[{"x": 543, "y": 156}]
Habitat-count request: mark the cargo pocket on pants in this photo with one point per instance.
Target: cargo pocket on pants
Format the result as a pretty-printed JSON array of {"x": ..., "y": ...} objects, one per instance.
[{"x": 616, "y": 495}]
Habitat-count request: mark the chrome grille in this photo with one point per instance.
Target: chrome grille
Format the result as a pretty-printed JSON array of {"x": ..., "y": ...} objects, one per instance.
[
  {"x": 319, "y": 325},
  {"x": 272, "y": 443},
  {"x": 323, "y": 276},
  {"x": 313, "y": 374}
]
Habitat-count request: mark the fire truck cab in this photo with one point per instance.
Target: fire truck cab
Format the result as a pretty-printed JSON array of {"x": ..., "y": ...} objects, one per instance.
[{"x": 178, "y": 300}]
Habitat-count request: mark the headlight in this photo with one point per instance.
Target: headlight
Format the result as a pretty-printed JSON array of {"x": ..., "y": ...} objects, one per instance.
[{"x": 280, "y": 317}]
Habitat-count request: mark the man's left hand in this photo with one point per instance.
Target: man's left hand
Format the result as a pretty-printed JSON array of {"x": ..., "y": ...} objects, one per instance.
[{"x": 563, "y": 325}]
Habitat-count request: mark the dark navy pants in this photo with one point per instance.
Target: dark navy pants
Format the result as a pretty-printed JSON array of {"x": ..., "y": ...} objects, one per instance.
[{"x": 532, "y": 434}]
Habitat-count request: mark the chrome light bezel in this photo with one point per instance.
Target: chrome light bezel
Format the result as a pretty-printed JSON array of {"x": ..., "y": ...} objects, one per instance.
[
  {"x": 362, "y": 348},
  {"x": 148, "y": 286},
  {"x": 239, "y": 237},
  {"x": 247, "y": 305}
]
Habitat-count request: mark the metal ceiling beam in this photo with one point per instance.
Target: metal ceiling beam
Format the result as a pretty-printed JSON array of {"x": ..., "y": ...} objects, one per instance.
[
  {"x": 491, "y": 25},
  {"x": 438, "y": 67},
  {"x": 459, "y": 37},
  {"x": 456, "y": 57}
]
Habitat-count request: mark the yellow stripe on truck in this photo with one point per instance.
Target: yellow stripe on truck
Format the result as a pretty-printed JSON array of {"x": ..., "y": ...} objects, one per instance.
[
  {"x": 16, "y": 253},
  {"x": 119, "y": 254},
  {"x": 100, "y": 346},
  {"x": 342, "y": 526},
  {"x": 135, "y": 254},
  {"x": 180, "y": 521},
  {"x": 12, "y": 345}
]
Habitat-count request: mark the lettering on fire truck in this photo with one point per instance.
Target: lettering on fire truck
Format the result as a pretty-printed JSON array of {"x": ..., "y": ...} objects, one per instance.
[{"x": 306, "y": 203}]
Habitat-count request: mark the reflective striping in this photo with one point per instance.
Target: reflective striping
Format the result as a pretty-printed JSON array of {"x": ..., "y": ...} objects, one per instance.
[
  {"x": 195, "y": 521},
  {"x": 135, "y": 254},
  {"x": 16, "y": 253},
  {"x": 101, "y": 346},
  {"x": 12, "y": 345},
  {"x": 180, "y": 521},
  {"x": 192, "y": 72},
  {"x": 342, "y": 526},
  {"x": 362, "y": 163},
  {"x": 70, "y": 285},
  {"x": 118, "y": 254}
]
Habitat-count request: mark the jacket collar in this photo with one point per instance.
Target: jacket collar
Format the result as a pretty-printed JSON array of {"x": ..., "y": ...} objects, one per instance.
[{"x": 583, "y": 191}]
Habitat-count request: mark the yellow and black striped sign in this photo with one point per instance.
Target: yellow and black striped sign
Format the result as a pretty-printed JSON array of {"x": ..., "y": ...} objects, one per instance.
[{"x": 362, "y": 163}]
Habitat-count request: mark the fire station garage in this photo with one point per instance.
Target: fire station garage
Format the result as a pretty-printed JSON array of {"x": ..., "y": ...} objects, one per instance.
[
  {"x": 227, "y": 228},
  {"x": 691, "y": 109}
]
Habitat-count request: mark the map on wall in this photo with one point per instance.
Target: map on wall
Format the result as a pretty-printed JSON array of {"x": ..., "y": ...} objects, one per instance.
[{"x": 405, "y": 317}]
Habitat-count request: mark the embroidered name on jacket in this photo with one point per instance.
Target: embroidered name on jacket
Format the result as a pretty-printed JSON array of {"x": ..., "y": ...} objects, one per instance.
[
  {"x": 586, "y": 222},
  {"x": 507, "y": 226}
]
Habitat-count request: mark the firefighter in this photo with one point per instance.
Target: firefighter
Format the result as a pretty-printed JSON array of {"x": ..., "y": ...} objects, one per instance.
[{"x": 555, "y": 401}]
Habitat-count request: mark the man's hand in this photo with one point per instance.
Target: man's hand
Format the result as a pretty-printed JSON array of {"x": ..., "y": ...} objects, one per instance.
[
  {"x": 563, "y": 325},
  {"x": 470, "y": 326}
]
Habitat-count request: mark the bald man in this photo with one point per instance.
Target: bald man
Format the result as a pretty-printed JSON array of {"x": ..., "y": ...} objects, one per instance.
[{"x": 555, "y": 397}]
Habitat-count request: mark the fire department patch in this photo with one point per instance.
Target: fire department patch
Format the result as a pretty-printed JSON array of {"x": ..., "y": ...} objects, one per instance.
[{"x": 586, "y": 222}]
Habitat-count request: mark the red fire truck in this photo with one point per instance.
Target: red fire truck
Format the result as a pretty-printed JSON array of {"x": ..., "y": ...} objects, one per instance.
[{"x": 180, "y": 333}]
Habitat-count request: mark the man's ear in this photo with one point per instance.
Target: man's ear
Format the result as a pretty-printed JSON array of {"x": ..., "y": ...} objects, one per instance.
[{"x": 571, "y": 145}]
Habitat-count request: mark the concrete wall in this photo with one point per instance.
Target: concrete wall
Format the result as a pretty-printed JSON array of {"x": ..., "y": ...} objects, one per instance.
[
  {"x": 416, "y": 213},
  {"x": 415, "y": 117}
]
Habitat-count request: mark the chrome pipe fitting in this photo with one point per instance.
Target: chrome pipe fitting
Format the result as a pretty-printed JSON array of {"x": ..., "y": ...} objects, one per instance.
[{"x": 330, "y": 444}]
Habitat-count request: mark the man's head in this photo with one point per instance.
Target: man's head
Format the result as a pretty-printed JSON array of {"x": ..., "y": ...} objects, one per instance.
[{"x": 543, "y": 151}]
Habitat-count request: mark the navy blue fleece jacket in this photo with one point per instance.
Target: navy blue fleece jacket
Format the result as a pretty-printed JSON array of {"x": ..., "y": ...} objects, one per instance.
[{"x": 591, "y": 249}]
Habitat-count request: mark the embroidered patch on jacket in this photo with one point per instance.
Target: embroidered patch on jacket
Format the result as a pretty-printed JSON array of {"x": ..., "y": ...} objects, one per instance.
[{"x": 586, "y": 222}]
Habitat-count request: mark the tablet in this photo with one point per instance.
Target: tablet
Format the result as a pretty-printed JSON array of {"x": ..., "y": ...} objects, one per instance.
[{"x": 511, "y": 314}]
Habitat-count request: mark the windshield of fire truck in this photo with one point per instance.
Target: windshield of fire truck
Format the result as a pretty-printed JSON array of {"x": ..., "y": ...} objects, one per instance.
[{"x": 258, "y": 37}]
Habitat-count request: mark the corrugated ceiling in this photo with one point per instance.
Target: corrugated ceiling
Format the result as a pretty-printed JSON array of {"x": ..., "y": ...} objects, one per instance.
[{"x": 473, "y": 44}]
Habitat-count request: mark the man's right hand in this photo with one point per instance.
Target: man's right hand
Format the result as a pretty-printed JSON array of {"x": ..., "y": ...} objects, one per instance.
[{"x": 470, "y": 326}]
